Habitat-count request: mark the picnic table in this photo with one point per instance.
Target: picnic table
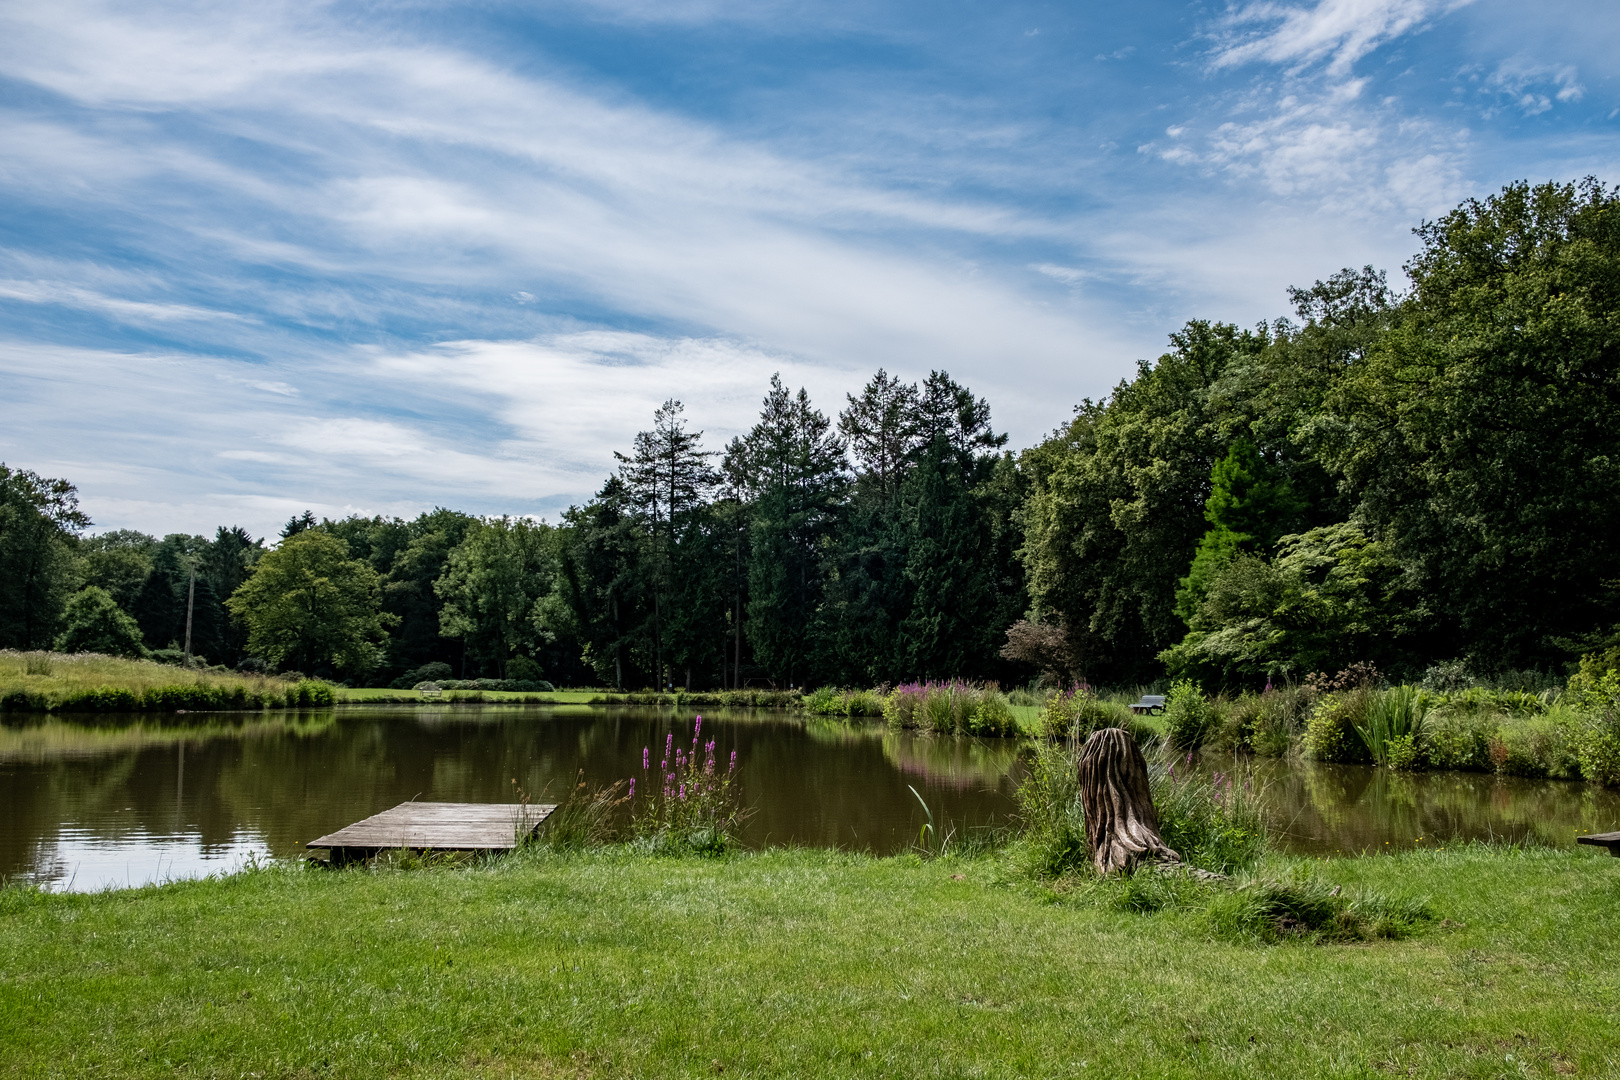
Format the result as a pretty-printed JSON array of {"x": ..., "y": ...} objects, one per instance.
[{"x": 1149, "y": 705}]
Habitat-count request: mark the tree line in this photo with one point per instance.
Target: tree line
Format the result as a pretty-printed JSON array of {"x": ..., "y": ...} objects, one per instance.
[{"x": 1401, "y": 478}]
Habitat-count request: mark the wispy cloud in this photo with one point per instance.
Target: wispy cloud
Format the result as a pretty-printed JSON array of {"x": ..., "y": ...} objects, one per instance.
[{"x": 1337, "y": 32}]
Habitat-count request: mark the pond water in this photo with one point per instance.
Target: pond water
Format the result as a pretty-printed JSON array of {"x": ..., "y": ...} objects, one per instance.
[{"x": 125, "y": 801}]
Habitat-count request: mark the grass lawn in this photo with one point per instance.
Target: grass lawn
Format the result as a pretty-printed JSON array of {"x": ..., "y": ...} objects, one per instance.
[{"x": 800, "y": 963}]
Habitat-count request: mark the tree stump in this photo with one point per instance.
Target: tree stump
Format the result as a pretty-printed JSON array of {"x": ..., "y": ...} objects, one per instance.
[{"x": 1122, "y": 826}]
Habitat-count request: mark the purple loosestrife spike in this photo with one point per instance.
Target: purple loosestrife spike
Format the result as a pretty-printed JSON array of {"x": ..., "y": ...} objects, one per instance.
[
  {"x": 646, "y": 757},
  {"x": 733, "y": 761},
  {"x": 709, "y": 765},
  {"x": 632, "y": 787},
  {"x": 669, "y": 743},
  {"x": 697, "y": 727},
  {"x": 683, "y": 791},
  {"x": 664, "y": 765}
]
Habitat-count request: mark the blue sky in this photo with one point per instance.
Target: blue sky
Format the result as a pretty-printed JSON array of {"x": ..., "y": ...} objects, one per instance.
[{"x": 376, "y": 257}]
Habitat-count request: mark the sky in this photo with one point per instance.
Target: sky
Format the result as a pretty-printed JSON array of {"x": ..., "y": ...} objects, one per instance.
[{"x": 379, "y": 257}]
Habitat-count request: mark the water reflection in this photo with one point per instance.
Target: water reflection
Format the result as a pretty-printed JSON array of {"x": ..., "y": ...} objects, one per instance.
[{"x": 116, "y": 801}]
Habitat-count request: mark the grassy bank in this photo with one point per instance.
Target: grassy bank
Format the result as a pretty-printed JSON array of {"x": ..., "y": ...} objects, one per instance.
[
  {"x": 90, "y": 682},
  {"x": 364, "y": 695},
  {"x": 801, "y": 963}
]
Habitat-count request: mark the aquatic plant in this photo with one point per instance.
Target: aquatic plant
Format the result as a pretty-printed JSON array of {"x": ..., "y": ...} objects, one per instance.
[
  {"x": 1393, "y": 716},
  {"x": 691, "y": 801}
]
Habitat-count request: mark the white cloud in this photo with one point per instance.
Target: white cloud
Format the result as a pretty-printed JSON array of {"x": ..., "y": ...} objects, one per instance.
[
  {"x": 1337, "y": 31},
  {"x": 55, "y": 292}
]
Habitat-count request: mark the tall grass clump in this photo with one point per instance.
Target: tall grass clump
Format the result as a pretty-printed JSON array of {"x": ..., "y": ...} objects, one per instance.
[
  {"x": 586, "y": 817},
  {"x": 1390, "y": 724},
  {"x": 1299, "y": 907},
  {"x": 1267, "y": 724},
  {"x": 950, "y": 708},
  {"x": 691, "y": 803}
]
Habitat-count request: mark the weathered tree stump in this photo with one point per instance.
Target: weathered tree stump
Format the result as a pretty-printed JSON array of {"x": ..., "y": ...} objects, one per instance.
[{"x": 1122, "y": 826}]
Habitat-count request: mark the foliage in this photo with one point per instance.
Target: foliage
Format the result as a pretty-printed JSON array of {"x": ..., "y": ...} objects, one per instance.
[
  {"x": 309, "y": 606},
  {"x": 94, "y": 623},
  {"x": 492, "y": 582},
  {"x": 1333, "y": 731},
  {"x": 831, "y": 701},
  {"x": 39, "y": 522},
  {"x": 1077, "y": 712},
  {"x": 1391, "y": 722},
  {"x": 1189, "y": 717}
]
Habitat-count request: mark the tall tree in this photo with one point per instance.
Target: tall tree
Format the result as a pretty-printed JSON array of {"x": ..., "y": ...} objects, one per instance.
[
  {"x": 492, "y": 582},
  {"x": 794, "y": 465},
  {"x": 667, "y": 477},
  {"x": 601, "y": 599},
  {"x": 1478, "y": 437},
  {"x": 310, "y": 607},
  {"x": 40, "y": 520}
]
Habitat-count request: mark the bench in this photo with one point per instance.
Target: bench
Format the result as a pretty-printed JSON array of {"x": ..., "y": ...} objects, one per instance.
[
  {"x": 1610, "y": 840},
  {"x": 1150, "y": 704}
]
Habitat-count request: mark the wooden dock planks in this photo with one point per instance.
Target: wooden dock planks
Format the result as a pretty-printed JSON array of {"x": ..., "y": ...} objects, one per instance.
[{"x": 434, "y": 826}]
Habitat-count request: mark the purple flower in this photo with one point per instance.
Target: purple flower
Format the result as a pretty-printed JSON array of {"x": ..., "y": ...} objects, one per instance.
[
  {"x": 669, "y": 743},
  {"x": 697, "y": 727},
  {"x": 632, "y": 787},
  {"x": 683, "y": 791},
  {"x": 664, "y": 765},
  {"x": 709, "y": 766},
  {"x": 646, "y": 757},
  {"x": 733, "y": 761}
]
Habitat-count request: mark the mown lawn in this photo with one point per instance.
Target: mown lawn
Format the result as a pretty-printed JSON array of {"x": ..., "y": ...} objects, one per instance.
[{"x": 800, "y": 963}]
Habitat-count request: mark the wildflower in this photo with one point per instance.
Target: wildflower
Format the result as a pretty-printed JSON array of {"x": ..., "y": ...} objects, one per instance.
[
  {"x": 664, "y": 765},
  {"x": 733, "y": 762},
  {"x": 697, "y": 727},
  {"x": 683, "y": 791},
  {"x": 669, "y": 743},
  {"x": 709, "y": 765},
  {"x": 632, "y": 787},
  {"x": 646, "y": 757}
]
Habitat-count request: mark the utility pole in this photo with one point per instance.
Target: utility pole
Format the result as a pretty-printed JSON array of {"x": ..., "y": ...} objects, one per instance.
[{"x": 191, "y": 598}]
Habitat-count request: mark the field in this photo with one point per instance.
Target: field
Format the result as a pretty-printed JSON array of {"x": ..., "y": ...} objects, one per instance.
[
  {"x": 802, "y": 963},
  {"x": 90, "y": 682}
]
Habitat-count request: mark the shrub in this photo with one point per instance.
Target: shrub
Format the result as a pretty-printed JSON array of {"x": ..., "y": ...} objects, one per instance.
[
  {"x": 992, "y": 717},
  {"x": 1542, "y": 746},
  {"x": 1330, "y": 734},
  {"x": 827, "y": 701},
  {"x": 1455, "y": 740},
  {"x": 1188, "y": 716},
  {"x": 1079, "y": 712}
]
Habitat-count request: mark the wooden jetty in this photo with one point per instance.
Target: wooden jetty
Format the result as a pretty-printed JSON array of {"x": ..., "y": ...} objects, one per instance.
[
  {"x": 1610, "y": 840},
  {"x": 436, "y": 826}
]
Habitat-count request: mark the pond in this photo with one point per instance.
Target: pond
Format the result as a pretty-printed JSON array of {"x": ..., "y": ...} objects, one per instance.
[{"x": 123, "y": 801}]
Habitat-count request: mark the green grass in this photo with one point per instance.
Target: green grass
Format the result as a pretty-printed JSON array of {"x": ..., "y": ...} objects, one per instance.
[
  {"x": 802, "y": 963},
  {"x": 91, "y": 682},
  {"x": 362, "y": 695}
]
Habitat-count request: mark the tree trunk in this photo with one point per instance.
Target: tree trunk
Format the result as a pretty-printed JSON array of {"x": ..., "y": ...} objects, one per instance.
[{"x": 1122, "y": 827}]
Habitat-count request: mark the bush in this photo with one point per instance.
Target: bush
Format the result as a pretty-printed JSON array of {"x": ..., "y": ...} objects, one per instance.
[
  {"x": 1052, "y": 824},
  {"x": 1188, "y": 716},
  {"x": 1456, "y": 740},
  {"x": 1330, "y": 734},
  {"x": 433, "y": 671},
  {"x": 1080, "y": 711},
  {"x": 94, "y": 623},
  {"x": 992, "y": 717},
  {"x": 1542, "y": 746}
]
